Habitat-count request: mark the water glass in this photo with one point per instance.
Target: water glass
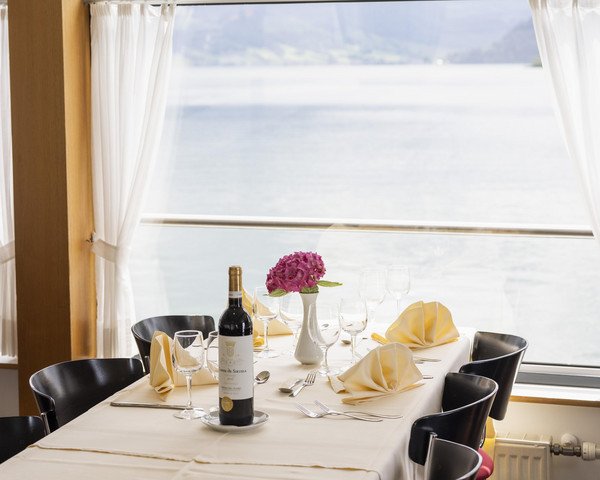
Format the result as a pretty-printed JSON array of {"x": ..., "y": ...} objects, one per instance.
[
  {"x": 372, "y": 288},
  {"x": 324, "y": 330},
  {"x": 353, "y": 319},
  {"x": 265, "y": 308},
  {"x": 291, "y": 312},
  {"x": 188, "y": 358},
  {"x": 398, "y": 282}
]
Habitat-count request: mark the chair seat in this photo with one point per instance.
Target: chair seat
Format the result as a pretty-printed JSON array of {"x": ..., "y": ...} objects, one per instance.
[{"x": 487, "y": 466}]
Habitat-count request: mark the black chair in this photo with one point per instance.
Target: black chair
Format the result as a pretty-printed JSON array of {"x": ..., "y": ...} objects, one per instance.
[
  {"x": 466, "y": 404},
  {"x": 68, "y": 389},
  {"x": 448, "y": 460},
  {"x": 497, "y": 356},
  {"x": 144, "y": 329},
  {"x": 17, "y": 433}
]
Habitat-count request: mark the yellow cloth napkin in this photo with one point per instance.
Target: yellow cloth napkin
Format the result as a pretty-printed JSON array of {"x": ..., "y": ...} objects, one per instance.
[
  {"x": 384, "y": 371},
  {"x": 163, "y": 376},
  {"x": 423, "y": 325},
  {"x": 276, "y": 326}
]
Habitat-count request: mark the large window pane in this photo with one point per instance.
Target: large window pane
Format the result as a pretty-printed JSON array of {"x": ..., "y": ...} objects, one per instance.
[{"x": 416, "y": 111}]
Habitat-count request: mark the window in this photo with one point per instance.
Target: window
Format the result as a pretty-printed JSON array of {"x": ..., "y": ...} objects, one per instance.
[{"x": 397, "y": 112}]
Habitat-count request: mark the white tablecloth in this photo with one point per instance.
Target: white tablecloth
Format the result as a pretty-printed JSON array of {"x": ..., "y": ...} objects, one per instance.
[{"x": 111, "y": 442}]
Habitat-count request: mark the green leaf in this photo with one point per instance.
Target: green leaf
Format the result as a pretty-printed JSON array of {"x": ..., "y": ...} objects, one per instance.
[
  {"x": 314, "y": 289},
  {"x": 326, "y": 283},
  {"x": 278, "y": 293}
]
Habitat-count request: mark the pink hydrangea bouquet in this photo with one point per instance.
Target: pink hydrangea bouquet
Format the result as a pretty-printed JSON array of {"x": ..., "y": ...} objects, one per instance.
[{"x": 297, "y": 272}]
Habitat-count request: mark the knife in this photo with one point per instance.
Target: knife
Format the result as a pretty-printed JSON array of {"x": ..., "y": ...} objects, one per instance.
[{"x": 147, "y": 405}]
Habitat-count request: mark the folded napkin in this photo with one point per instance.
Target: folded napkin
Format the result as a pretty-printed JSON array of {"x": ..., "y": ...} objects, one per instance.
[
  {"x": 384, "y": 371},
  {"x": 423, "y": 325},
  {"x": 276, "y": 326},
  {"x": 163, "y": 376}
]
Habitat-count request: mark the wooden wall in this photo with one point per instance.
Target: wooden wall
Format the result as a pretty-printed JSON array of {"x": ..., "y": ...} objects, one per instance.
[{"x": 49, "y": 60}]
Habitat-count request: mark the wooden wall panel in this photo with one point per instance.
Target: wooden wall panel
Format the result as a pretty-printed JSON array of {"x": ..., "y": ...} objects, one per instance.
[{"x": 49, "y": 43}]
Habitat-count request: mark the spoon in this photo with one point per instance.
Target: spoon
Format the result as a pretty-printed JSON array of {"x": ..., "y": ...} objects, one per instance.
[{"x": 261, "y": 377}]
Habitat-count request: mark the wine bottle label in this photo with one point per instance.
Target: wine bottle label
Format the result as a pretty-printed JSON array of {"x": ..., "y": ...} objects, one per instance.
[
  {"x": 235, "y": 294},
  {"x": 236, "y": 369}
]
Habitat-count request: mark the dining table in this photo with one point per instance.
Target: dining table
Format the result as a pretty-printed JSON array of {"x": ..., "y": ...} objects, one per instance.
[{"x": 109, "y": 442}]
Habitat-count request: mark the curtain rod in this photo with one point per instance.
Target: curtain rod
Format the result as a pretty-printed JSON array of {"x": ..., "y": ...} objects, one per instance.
[{"x": 236, "y": 2}]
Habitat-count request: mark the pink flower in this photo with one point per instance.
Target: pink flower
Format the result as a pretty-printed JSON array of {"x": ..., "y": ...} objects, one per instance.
[{"x": 296, "y": 272}]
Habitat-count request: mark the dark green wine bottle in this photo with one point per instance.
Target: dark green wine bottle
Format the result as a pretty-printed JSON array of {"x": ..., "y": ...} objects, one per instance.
[{"x": 236, "y": 363}]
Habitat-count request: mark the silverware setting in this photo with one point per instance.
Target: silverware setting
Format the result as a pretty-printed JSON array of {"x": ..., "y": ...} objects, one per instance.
[
  {"x": 312, "y": 414},
  {"x": 426, "y": 359},
  {"x": 326, "y": 409},
  {"x": 308, "y": 381},
  {"x": 148, "y": 405}
]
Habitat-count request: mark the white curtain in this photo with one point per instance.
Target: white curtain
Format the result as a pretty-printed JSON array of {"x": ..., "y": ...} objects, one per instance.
[
  {"x": 131, "y": 61},
  {"x": 8, "y": 295},
  {"x": 568, "y": 37}
]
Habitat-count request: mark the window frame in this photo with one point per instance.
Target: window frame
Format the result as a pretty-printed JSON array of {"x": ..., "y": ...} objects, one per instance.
[{"x": 530, "y": 373}]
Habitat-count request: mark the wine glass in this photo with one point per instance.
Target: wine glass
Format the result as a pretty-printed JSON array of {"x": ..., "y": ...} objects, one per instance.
[
  {"x": 398, "y": 282},
  {"x": 324, "y": 330},
  {"x": 291, "y": 312},
  {"x": 265, "y": 308},
  {"x": 212, "y": 354},
  {"x": 353, "y": 319},
  {"x": 372, "y": 288},
  {"x": 188, "y": 358}
]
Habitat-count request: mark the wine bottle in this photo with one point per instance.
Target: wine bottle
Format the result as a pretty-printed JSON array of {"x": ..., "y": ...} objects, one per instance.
[{"x": 236, "y": 365}]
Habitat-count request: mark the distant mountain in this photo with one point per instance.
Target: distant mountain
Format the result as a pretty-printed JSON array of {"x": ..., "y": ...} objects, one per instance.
[
  {"x": 517, "y": 46},
  {"x": 355, "y": 33}
]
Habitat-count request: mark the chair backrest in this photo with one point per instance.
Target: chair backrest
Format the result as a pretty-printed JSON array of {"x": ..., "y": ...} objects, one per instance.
[
  {"x": 144, "y": 329},
  {"x": 497, "y": 356},
  {"x": 448, "y": 460},
  {"x": 17, "y": 433},
  {"x": 466, "y": 403},
  {"x": 66, "y": 390}
]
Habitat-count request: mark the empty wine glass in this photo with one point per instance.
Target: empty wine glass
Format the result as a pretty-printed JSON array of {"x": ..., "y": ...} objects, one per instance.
[
  {"x": 291, "y": 312},
  {"x": 372, "y": 288},
  {"x": 265, "y": 308},
  {"x": 398, "y": 282},
  {"x": 188, "y": 358},
  {"x": 353, "y": 319},
  {"x": 324, "y": 330},
  {"x": 212, "y": 354}
]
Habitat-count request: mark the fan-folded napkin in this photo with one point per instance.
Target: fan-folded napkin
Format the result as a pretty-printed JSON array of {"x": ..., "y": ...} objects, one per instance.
[
  {"x": 384, "y": 371},
  {"x": 276, "y": 326},
  {"x": 163, "y": 376},
  {"x": 423, "y": 325}
]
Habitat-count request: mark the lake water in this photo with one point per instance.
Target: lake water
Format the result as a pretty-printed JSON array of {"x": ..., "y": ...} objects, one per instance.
[{"x": 468, "y": 143}]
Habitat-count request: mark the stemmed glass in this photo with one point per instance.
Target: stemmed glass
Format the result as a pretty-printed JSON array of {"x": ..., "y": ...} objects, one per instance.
[
  {"x": 372, "y": 288},
  {"x": 188, "y": 358},
  {"x": 398, "y": 282},
  {"x": 291, "y": 312},
  {"x": 265, "y": 308},
  {"x": 324, "y": 330},
  {"x": 353, "y": 319},
  {"x": 212, "y": 354}
]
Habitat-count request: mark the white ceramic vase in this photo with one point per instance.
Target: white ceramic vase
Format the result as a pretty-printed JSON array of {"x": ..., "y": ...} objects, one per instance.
[{"x": 307, "y": 353}]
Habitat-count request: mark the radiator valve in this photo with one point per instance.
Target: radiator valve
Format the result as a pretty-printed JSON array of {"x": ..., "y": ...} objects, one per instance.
[
  {"x": 590, "y": 451},
  {"x": 570, "y": 447}
]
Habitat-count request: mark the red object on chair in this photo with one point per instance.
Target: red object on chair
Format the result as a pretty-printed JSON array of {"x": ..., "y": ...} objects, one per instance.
[{"x": 487, "y": 466}]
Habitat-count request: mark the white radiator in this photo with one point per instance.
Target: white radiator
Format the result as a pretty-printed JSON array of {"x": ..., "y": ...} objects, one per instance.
[{"x": 522, "y": 457}]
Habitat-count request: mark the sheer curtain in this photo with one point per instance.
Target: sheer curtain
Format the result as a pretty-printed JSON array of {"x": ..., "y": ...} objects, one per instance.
[
  {"x": 131, "y": 59},
  {"x": 8, "y": 294},
  {"x": 568, "y": 37}
]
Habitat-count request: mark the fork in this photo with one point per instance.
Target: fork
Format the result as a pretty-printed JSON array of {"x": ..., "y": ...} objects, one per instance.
[
  {"x": 308, "y": 381},
  {"x": 311, "y": 414},
  {"x": 326, "y": 409}
]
